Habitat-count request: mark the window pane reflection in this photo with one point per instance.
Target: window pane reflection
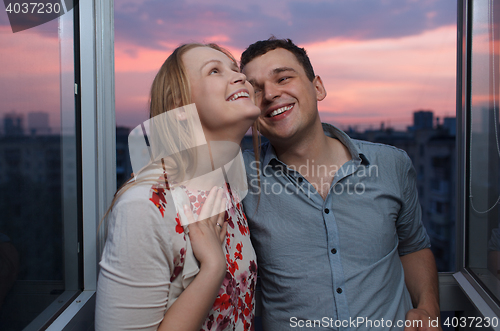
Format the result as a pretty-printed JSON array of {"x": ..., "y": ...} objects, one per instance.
[
  {"x": 38, "y": 172},
  {"x": 483, "y": 227}
]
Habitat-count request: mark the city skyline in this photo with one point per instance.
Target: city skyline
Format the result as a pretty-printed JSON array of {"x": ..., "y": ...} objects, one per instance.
[{"x": 37, "y": 123}]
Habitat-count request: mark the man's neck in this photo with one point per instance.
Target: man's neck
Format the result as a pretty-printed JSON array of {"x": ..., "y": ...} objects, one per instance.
[
  {"x": 311, "y": 147},
  {"x": 317, "y": 158}
]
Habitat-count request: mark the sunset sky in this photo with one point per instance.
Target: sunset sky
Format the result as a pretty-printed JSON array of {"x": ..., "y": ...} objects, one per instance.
[{"x": 380, "y": 60}]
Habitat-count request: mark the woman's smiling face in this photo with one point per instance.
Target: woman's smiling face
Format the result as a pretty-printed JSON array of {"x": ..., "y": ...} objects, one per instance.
[{"x": 223, "y": 96}]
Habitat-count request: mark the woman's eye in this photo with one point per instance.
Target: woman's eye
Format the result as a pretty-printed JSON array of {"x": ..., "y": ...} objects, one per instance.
[{"x": 214, "y": 71}]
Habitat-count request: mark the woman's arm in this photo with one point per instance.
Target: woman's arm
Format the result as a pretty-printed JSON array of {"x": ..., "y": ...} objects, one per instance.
[{"x": 191, "y": 308}]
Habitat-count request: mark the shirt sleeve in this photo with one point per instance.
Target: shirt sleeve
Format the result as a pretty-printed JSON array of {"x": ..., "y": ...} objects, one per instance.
[
  {"x": 134, "y": 280},
  {"x": 411, "y": 232}
]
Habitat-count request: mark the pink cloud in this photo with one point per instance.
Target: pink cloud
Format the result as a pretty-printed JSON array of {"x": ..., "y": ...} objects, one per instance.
[
  {"x": 367, "y": 81},
  {"x": 388, "y": 78}
]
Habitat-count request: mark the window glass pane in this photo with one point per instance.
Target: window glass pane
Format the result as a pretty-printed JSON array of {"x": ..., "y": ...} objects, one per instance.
[
  {"x": 483, "y": 228},
  {"x": 38, "y": 172},
  {"x": 379, "y": 64}
]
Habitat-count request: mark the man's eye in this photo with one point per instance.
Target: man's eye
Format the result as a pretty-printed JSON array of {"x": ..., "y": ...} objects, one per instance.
[{"x": 282, "y": 79}]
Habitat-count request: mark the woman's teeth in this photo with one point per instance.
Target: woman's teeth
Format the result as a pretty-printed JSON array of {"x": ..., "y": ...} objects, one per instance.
[
  {"x": 280, "y": 110},
  {"x": 239, "y": 95}
]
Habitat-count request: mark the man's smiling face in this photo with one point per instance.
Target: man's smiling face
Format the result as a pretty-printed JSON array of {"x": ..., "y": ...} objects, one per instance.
[{"x": 286, "y": 97}]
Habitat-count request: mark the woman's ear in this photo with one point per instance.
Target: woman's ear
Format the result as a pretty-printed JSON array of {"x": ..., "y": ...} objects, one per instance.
[{"x": 177, "y": 102}]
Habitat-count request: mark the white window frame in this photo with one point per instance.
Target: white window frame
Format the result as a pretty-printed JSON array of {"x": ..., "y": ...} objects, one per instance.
[
  {"x": 97, "y": 95},
  {"x": 476, "y": 294}
]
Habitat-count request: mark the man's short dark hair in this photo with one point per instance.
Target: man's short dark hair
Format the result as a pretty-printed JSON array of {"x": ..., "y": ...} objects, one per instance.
[{"x": 263, "y": 46}]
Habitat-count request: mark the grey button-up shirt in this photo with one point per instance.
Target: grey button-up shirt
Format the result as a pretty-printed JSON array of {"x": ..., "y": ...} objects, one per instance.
[{"x": 334, "y": 264}]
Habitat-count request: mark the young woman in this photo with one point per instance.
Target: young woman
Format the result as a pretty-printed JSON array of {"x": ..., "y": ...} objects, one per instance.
[{"x": 157, "y": 273}]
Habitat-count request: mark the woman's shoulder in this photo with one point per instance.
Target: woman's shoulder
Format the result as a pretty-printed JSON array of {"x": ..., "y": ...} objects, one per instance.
[
  {"x": 144, "y": 188},
  {"x": 145, "y": 200}
]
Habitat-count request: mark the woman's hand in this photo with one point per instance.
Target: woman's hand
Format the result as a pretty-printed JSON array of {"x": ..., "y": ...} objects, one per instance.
[{"x": 208, "y": 233}]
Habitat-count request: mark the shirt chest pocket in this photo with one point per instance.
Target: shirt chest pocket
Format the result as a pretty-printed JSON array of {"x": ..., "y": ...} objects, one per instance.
[{"x": 367, "y": 231}]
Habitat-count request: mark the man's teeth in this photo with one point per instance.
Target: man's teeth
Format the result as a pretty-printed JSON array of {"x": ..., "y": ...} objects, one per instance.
[
  {"x": 280, "y": 110},
  {"x": 239, "y": 95}
]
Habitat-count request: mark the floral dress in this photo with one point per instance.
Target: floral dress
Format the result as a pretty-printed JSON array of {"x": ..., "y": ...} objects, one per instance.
[
  {"x": 234, "y": 306},
  {"x": 148, "y": 261}
]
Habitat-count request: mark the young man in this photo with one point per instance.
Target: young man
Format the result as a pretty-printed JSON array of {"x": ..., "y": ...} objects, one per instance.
[{"x": 334, "y": 221}]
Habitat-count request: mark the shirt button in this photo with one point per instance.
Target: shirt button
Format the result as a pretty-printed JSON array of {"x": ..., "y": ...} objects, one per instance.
[
  {"x": 334, "y": 251},
  {"x": 327, "y": 210},
  {"x": 339, "y": 290},
  {"x": 300, "y": 179}
]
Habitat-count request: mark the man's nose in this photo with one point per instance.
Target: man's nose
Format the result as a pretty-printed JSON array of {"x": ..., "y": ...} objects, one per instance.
[{"x": 271, "y": 92}]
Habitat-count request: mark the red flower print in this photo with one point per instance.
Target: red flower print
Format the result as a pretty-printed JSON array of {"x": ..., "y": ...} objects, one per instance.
[
  {"x": 222, "y": 302},
  {"x": 253, "y": 267},
  {"x": 210, "y": 322},
  {"x": 179, "y": 264},
  {"x": 229, "y": 283},
  {"x": 231, "y": 265},
  {"x": 228, "y": 278},
  {"x": 248, "y": 299},
  {"x": 243, "y": 228},
  {"x": 237, "y": 254},
  {"x": 158, "y": 198},
  {"x": 229, "y": 220},
  {"x": 178, "y": 228},
  {"x": 235, "y": 314},
  {"x": 223, "y": 322},
  {"x": 243, "y": 281},
  {"x": 177, "y": 271},
  {"x": 248, "y": 326},
  {"x": 158, "y": 194}
]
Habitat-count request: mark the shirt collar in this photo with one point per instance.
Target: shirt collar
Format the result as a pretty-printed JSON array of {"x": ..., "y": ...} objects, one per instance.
[
  {"x": 352, "y": 145},
  {"x": 331, "y": 131},
  {"x": 270, "y": 157}
]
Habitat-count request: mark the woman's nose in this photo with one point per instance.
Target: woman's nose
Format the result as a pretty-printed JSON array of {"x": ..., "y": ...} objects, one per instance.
[{"x": 239, "y": 78}]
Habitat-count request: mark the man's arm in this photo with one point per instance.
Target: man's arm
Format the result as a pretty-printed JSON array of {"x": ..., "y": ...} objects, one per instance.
[{"x": 422, "y": 282}]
